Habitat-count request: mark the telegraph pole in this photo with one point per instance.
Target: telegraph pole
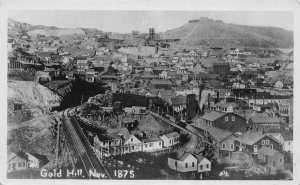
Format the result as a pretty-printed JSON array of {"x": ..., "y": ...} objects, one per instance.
[{"x": 57, "y": 142}]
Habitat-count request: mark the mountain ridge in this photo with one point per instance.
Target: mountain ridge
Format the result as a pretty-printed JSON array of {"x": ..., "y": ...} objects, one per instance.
[
  {"x": 208, "y": 32},
  {"x": 203, "y": 32}
]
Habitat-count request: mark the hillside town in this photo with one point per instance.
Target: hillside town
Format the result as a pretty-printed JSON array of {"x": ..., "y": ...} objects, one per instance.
[{"x": 148, "y": 103}]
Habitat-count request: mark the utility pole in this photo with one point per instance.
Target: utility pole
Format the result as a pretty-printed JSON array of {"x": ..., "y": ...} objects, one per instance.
[{"x": 57, "y": 142}]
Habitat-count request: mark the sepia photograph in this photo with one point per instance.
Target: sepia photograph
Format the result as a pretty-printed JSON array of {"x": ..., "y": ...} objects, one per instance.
[{"x": 113, "y": 94}]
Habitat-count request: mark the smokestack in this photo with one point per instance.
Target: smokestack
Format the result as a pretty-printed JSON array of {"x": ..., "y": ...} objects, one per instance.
[{"x": 201, "y": 87}]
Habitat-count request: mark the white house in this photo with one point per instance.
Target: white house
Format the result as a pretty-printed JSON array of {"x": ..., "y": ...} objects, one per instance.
[
  {"x": 170, "y": 139},
  {"x": 107, "y": 145},
  {"x": 288, "y": 141},
  {"x": 193, "y": 53},
  {"x": 132, "y": 144},
  {"x": 182, "y": 162},
  {"x": 204, "y": 165},
  {"x": 16, "y": 162},
  {"x": 152, "y": 144},
  {"x": 278, "y": 84},
  {"x": 23, "y": 161}
]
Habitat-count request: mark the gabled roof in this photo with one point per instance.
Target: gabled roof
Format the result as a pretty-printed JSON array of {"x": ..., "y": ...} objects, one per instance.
[
  {"x": 128, "y": 136},
  {"x": 172, "y": 135},
  {"x": 181, "y": 155},
  {"x": 40, "y": 157},
  {"x": 12, "y": 155},
  {"x": 153, "y": 139},
  {"x": 200, "y": 158},
  {"x": 212, "y": 115},
  {"x": 218, "y": 134},
  {"x": 108, "y": 136},
  {"x": 250, "y": 138}
]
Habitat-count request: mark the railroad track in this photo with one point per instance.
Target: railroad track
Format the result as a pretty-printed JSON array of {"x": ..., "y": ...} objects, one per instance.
[
  {"x": 80, "y": 143},
  {"x": 181, "y": 128}
]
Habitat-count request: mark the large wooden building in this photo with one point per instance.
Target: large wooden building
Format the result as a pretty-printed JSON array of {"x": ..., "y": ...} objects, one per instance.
[{"x": 227, "y": 121}]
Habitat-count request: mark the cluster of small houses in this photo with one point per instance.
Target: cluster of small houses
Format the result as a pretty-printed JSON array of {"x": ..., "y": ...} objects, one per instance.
[
  {"x": 48, "y": 58},
  {"x": 172, "y": 78}
]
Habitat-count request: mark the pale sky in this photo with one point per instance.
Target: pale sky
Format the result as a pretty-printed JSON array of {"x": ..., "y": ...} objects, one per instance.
[{"x": 126, "y": 21}]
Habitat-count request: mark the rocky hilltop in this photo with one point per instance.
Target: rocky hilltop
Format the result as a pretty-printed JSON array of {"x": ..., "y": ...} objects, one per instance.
[{"x": 208, "y": 32}]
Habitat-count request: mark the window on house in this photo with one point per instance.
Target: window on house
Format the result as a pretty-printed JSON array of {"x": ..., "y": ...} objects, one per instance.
[
  {"x": 160, "y": 143},
  {"x": 231, "y": 146},
  {"x": 263, "y": 142},
  {"x": 267, "y": 142},
  {"x": 13, "y": 165},
  {"x": 132, "y": 147},
  {"x": 131, "y": 139},
  {"x": 224, "y": 145},
  {"x": 201, "y": 167},
  {"x": 271, "y": 146},
  {"x": 24, "y": 164},
  {"x": 233, "y": 118},
  {"x": 226, "y": 118},
  {"x": 193, "y": 164},
  {"x": 186, "y": 165},
  {"x": 207, "y": 166},
  {"x": 145, "y": 145}
]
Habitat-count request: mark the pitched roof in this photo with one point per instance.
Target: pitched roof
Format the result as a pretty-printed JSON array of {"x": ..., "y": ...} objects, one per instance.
[
  {"x": 128, "y": 136},
  {"x": 12, "y": 155},
  {"x": 218, "y": 134},
  {"x": 200, "y": 158},
  {"x": 153, "y": 139},
  {"x": 250, "y": 138},
  {"x": 181, "y": 155},
  {"x": 178, "y": 100},
  {"x": 168, "y": 82},
  {"x": 172, "y": 135},
  {"x": 40, "y": 157},
  {"x": 212, "y": 115},
  {"x": 268, "y": 120}
]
